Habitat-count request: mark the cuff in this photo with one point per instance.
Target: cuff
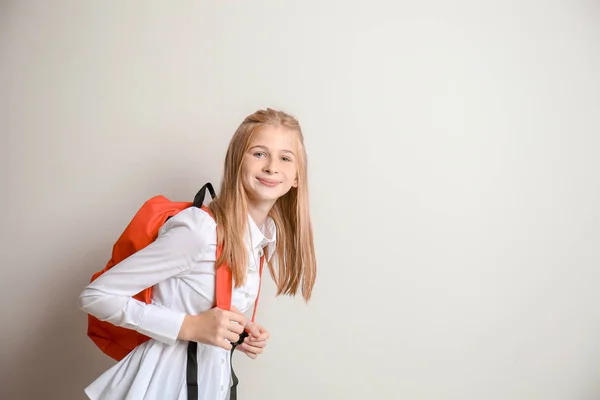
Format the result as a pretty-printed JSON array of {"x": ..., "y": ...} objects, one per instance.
[{"x": 161, "y": 323}]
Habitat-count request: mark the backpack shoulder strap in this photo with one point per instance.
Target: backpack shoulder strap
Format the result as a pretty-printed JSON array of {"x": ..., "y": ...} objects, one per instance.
[
  {"x": 262, "y": 261},
  {"x": 224, "y": 280}
]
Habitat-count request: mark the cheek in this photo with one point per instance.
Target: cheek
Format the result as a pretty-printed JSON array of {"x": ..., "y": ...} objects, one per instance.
[
  {"x": 249, "y": 165},
  {"x": 292, "y": 172}
]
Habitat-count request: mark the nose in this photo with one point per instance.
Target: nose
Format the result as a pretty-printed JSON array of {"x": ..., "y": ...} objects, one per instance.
[{"x": 270, "y": 166}]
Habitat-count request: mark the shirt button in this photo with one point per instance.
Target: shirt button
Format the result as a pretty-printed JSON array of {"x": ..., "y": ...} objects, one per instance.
[
  {"x": 222, "y": 361},
  {"x": 221, "y": 387}
]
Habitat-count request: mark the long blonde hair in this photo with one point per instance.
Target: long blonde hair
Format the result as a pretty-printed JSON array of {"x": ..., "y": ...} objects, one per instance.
[{"x": 295, "y": 254}]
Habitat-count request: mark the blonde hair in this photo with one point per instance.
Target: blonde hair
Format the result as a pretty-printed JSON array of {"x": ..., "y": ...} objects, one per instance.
[{"x": 295, "y": 254}]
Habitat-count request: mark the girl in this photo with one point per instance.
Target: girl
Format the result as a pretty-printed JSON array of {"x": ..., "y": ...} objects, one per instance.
[{"x": 264, "y": 195}]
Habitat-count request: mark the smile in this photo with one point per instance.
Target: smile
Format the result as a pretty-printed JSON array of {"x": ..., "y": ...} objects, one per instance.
[{"x": 268, "y": 182}]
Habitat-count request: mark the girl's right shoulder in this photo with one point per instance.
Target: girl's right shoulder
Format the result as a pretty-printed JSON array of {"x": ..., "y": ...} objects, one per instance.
[{"x": 194, "y": 220}]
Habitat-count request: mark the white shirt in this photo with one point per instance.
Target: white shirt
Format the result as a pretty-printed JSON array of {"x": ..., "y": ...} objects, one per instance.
[{"x": 180, "y": 264}]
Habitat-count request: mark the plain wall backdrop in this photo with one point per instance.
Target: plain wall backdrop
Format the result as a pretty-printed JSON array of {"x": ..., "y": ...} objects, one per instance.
[{"x": 454, "y": 176}]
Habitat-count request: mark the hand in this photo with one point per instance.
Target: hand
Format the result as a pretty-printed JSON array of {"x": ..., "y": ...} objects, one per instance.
[
  {"x": 256, "y": 341},
  {"x": 216, "y": 327}
]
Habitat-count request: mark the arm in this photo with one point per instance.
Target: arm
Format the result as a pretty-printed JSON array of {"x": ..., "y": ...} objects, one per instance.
[{"x": 109, "y": 297}]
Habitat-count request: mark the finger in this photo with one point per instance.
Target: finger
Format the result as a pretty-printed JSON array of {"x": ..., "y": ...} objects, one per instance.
[
  {"x": 236, "y": 316},
  {"x": 235, "y": 310},
  {"x": 225, "y": 345},
  {"x": 248, "y": 353},
  {"x": 253, "y": 329},
  {"x": 235, "y": 327},
  {"x": 261, "y": 344},
  {"x": 252, "y": 348},
  {"x": 232, "y": 336},
  {"x": 252, "y": 345},
  {"x": 264, "y": 335}
]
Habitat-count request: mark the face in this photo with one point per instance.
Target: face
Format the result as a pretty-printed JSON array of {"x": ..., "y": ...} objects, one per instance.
[{"x": 269, "y": 167}]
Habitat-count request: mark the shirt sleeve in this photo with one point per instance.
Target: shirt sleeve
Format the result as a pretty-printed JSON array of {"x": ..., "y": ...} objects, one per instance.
[{"x": 109, "y": 298}]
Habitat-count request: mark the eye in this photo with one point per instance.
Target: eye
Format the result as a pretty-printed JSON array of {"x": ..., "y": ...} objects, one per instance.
[
  {"x": 259, "y": 154},
  {"x": 286, "y": 159}
]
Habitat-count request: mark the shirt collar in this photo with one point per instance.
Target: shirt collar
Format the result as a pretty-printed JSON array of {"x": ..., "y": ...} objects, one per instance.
[{"x": 259, "y": 238}]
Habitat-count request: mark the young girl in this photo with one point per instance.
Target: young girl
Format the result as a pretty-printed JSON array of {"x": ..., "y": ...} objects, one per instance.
[{"x": 264, "y": 195}]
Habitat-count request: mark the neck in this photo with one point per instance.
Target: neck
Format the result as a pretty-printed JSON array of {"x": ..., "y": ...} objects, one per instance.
[{"x": 259, "y": 212}]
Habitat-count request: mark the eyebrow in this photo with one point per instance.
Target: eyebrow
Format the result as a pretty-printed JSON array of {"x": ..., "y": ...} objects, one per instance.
[{"x": 266, "y": 148}]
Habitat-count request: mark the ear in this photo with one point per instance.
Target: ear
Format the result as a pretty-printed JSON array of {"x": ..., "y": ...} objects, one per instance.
[{"x": 295, "y": 184}]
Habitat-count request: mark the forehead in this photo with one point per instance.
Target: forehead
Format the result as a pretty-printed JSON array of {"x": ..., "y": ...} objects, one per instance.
[{"x": 275, "y": 138}]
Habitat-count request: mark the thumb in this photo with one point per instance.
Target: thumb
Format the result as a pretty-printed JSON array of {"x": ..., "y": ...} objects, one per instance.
[
  {"x": 253, "y": 329},
  {"x": 235, "y": 310},
  {"x": 243, "y": 320}
]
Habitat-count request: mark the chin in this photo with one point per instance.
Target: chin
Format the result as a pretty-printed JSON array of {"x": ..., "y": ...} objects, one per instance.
[
  {"x": 263, "y": 195},
  {"x": 271, "y": 197}
]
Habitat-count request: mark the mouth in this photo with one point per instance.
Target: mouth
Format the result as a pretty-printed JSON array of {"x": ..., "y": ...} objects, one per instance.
[{"x": 268, "y": 182}]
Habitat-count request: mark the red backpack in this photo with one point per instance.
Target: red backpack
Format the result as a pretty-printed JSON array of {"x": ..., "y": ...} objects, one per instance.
[{"x": 116, "y": 341}]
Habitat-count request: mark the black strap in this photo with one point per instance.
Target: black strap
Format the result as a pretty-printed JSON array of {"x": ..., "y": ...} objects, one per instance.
[
  {"x": 199, "y": 198},
  {"x": 192, "y": 349},
  {"x": 192, "y": 371},
  {"x": 233, "y": 390}
]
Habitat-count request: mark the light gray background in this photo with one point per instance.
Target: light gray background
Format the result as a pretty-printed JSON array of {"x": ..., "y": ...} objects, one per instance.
[{"x": 453, "y": 151}]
